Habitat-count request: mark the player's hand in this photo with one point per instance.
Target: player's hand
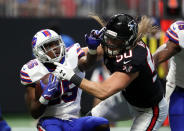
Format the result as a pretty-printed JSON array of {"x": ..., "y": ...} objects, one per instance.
[
  {"x": 49, "y": 90},
  {"x": 63, "y": 72},
  {"x": 94, "y": 39}
]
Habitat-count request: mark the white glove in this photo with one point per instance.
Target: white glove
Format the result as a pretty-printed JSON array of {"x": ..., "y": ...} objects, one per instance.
[{"x": 63, "y": 72}]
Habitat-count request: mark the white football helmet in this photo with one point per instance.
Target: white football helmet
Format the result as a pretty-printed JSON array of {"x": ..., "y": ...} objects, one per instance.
[{"x": 44, "y": 39}]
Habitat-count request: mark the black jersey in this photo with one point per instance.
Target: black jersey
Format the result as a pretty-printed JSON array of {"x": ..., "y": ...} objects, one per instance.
[{"x": 146, "y": 90}]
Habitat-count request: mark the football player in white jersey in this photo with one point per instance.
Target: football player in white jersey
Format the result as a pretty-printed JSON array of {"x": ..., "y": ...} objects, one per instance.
[
  {"x": 133, "y": 90},
  {"x": 173, "y": 50},
  {"x": 59, "y": 104}
]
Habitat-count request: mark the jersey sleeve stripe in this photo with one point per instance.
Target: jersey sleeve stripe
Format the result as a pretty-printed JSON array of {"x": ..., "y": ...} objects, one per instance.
[
  {"x": 172, "y": 32},
  {"x": 26, "y": 80},
  {"x": 81, "y": 55},
  {"x": 78, "y": 49},
  {"x": 172, "y": 38},
  {"x": 24, "y": 74},
  {"x": 80, "y": 52}
]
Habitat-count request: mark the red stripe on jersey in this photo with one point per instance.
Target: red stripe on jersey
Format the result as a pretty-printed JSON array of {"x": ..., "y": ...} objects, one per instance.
[
  {"x": 172, "y": 35},
  {"x": 154, "y": 118},
  {"x": 80, "y": 52},
  {"x": 24, "y": 74},
  {"x": 169, "y": 35}
]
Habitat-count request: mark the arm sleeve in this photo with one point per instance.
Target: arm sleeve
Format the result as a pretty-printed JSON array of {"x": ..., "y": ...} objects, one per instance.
[
  {"x": 80, "y": 51},
  {"x": 175, "y": 33},
  {"x": 24, "y": 76}
]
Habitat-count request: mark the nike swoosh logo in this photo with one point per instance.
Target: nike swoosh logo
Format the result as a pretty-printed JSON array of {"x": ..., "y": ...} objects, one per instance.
[
  {"x": 125, "y": 62},
  {"x": 51, "y": 89}
]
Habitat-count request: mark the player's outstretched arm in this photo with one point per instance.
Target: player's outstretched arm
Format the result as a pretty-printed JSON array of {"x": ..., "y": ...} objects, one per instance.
[
  {"x": 93, "y": 51},
  {"x": 116, "y": 82},
  {"x": 166, "y": 51}
]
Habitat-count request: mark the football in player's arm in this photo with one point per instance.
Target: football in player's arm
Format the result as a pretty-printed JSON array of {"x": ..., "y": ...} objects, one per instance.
[
  {"x": 133, "y": 90},
  {"x": 58, "y": 105},
  {"x": 173, "y": 50}
]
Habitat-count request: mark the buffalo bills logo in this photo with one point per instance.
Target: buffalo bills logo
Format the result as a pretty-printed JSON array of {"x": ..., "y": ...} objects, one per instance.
[{"x": 34, "y": 41}]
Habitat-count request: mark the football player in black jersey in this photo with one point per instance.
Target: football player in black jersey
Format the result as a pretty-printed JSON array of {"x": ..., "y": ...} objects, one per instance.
[{"x": 133, "y": 91}]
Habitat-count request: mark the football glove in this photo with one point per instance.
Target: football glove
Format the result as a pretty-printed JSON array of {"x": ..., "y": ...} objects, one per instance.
[
  {"x": 64, "y": 73},
  {"x": 49, "y": 90},
  {"x": 94, "y": 40}
]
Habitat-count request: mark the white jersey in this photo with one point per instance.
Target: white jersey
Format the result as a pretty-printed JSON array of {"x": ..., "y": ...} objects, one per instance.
[
  {"x": 176, "y": 71},
  {"x": 69, "y": 102}
]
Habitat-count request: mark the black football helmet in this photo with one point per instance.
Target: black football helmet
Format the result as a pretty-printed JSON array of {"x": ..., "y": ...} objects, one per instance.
[{"x": 123, "y": 28}]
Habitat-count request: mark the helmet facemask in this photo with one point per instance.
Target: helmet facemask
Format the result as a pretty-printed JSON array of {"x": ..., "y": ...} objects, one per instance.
[
  {"x": 53, "y": 46},
  {"x": 122, "y": 31},
  {"x": 116, "y": 49},
  {"x": 110, "y": 49}
]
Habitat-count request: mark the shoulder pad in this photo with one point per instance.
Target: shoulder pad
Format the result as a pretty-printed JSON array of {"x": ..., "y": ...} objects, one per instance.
[
  {"x": 176, "y": 33},
  {"x": 73, "y": 54},
  {"x": 32, "y": 72},
  {"x": 76, "y": 48}
]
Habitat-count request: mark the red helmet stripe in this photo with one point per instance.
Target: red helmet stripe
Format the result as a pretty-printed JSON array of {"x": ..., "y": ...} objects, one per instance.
[{"x": 46, "y": 33}]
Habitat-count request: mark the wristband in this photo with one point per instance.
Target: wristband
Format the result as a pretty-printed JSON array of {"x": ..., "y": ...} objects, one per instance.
[
  {"x": 43, "y": 101},
  {"x": 92, "y": 52},
  {"x": 76, "y": 80}
]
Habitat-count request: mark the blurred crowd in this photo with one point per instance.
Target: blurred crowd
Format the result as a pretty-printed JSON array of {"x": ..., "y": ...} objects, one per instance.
[{"x": 72, "y": 8}]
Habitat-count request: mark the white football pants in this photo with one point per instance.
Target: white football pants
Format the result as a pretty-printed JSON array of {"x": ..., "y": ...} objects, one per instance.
[{"x": 116, "y": 108}]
